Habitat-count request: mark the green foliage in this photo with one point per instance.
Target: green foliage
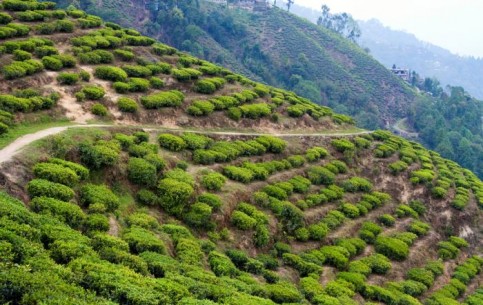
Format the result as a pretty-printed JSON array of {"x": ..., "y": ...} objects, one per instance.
[
  {"x": 163, "y": 99},
  {"x": 221, "y": 264},
  {"x": 171, "y": 142},
  {"x": 41, "y": 187},
  {"x": 141, "y": 240},
  {"x": 357, "y": 184},
  {"x": 213, "y": 181},
  {"x": 141, "y": 172},
  {"x": 56, "y": 173},
  {"x": 239, "y": 174},
  {"x": 392, "y": 248},
  {"x": 91, "y": 194},
  {"x": 174, "y": 195},
  {"x": 99, "y": 109},
  {"x": 93, "y": 92},
  {"x": 320, "y": 175},
  {"x": 126, "y": 104},
  {"x": 111, "y": 73},
  {"x": 343, "y": 145},
  {"x": 64, "y": 211}
]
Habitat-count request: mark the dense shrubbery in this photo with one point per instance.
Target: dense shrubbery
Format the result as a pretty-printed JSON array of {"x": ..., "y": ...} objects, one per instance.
[
  {"x": 41, "y": 187},
  {"x": 126, "y": 104},
  {"x": 163, "y": 99},
  {"x": 392, "y": 248},
  {"x": 99, "y": 194}
]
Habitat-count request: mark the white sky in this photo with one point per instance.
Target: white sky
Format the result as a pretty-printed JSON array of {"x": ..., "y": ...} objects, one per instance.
[{"x": 456, "y": 25}]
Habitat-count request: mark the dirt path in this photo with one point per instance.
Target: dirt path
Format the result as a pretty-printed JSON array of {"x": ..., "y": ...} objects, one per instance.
[{"x": 7, "y": 153}]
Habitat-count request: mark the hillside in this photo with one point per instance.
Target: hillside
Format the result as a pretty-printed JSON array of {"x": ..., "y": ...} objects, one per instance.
[
  {"x": 204, "y": 187},
  {"x": 405, "y": 50},
  {"x": 276, "y": 47}
]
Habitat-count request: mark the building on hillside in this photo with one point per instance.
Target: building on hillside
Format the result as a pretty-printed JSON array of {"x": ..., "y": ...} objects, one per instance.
[{"x": 404, "y": 74}]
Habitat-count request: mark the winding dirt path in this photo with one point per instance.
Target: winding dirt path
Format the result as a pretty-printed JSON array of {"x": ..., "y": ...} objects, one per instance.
[{"x": 7, "y": 153}]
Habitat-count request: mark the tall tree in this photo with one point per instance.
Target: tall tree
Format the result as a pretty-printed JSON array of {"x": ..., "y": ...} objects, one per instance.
[{"x": 343, "y": 24}]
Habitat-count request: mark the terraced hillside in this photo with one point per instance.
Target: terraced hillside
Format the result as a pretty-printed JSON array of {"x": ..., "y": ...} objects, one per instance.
[
  {"x": 56, "y": 63},
  {"x": 163, "y": 214}
]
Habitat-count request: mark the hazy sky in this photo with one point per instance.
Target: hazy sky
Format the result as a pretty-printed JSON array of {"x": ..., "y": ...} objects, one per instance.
[{"x": 456, "y": 25}]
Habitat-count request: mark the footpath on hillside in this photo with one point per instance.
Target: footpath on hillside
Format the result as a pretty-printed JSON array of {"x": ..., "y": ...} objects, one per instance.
[{"x": 8, "y": 152}]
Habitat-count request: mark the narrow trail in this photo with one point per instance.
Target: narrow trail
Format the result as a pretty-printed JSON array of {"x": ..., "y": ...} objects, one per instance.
[{"x": 8, "y": 152}]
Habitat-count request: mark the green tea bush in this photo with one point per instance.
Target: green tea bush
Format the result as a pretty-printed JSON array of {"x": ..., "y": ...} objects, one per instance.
[
  {"x": 156, "y": 83},
  {"x": 98, "y": 57},
  {"x": 65, "y": 78},
  {"x": 213, "y": 181},
  {"x": 171, "y": 142},
  {"x": 67, "y": 212},
  {"x": 320, "y": 175},
  {"x": 421, "y": 275},
  {"x": 387, "y": 220},
  {"x": 93, "y": 92},
  {"x": 124, "y": 55},
  {"x": 238, "y": 174},
  {"x": 171, "y": 98},
  {"x": 255, "y": 111},
  {"x": 41, "y": 187},
  {"x": 56, "y": 173},
  {"x": 111, "y": 73},
  {"x": 146, "y": 197},
  {"x": 126, "y": 104},
  {"x": 318, "y": 231},
  {"x": 185, "y": 74},
  {"x": 335, "y": 256},
  {"x": 199, "y": 215},
  {"x": 357, "y": 184},
  {"x": 21, "y": 55},
  {"x": 174, "y": 195},
  {"x": 392, "y": 248},
  {"x": 80, "y": 170},
  {"x": 196, "y": 141},
  {"x": 201, "y": 108},
  {"x": 91, "y": 194},
  {"x": 316, "y": 153},
  {"x": 343, "y": 145},
  {"x": 5, "y": 18},
  {"x": 99, "y": 155},
  {"x": 303, "y": 267},
  {"x": 141, "y": 240},
  {"x": 419, "y": 228},
  {"x": 99, "y": 109},
  {"x": 96, "y": 223},
  {"x": 137, "y": 71},
  {"x": 141, "y": 172},
  {"x": 242, "y": 221},
  {"x": 398, "y": 167},
  {"x": 221, "y": 264},
  {"x": 349, "y": 210}
]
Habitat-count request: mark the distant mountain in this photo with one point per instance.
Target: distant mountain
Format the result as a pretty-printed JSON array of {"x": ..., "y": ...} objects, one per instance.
[{"x": 405, "y": 50}]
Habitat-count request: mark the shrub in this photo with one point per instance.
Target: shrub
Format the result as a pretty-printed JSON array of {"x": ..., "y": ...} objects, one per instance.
[
  {"x": 221, "y": 264},
  {"x": 124, "y": 55},
  {"x": 171, "y": 142},
  {"x": 64, "y": 211},
  {"x": 141, "y": 172},
  {"x": 335, "y": 256},
  {"x": 174, "y": 195},
  {"x": 56, "y": 173},
  {"x": 421, "y": 275},
  {"x": 357, "y": 184},
  {"x": 99, "y": 155},
  {"x": 212, "y": 200},
  {"x": 90, "y": 194},
  {"x": 5, "y": 18},
  {"x": 80, "y": 170},
  {"x": 99, "y": 57},
  {"x": 318, "y": 231},
  {"x": 238, "y": 174},
  {"x": 67, "y": 78},
  {"x": 99, "y": 109},
  {"x": 283, "y": 292},
  {"x": 171, "y": 98},
  {"x": 156, "y": 83},
  {"x": 392, "y": 248},
  {"x": 21, "y": 55},
  {"x": 242, "y": 221},
  {"x": 93, "y": 92},
  {"x": 199, "y": 215},
  {"x": 126, "y": 104},
  {"x": 146, "y": 197},
  {"x": 255, "y": 111},
  {"x": 141, "y": 240},
  {"x": 52, "y": 63},
  {"x": 213, "y": 181},
  {"x": 201, "y": 108},
  {"x": 97, "y": 222},
  {"x": 196, "y": 141},
  {"x": 41, "y": 187},
  {"x": 397, "y": 167},
  {"x": 419, "y": 228},
  {"x": 343, "y": 145},
  {"x": 320, "y": 175},
  {"x": 387, "y": 220},
  {"x": 114, "y": 74}
]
